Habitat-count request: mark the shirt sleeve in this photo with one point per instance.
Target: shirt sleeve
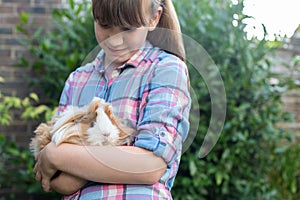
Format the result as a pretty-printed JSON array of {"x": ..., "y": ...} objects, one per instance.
[
  {"x": 73, "y": 88},
  {"x": 163, "y": 124},
  {"x": 65, "y": 97}
]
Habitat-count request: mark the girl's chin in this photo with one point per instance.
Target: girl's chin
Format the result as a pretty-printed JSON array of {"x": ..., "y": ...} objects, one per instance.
[
  {"x": 122, "y": 58},
  {"x": 119, "y": 57},
  {"x": 117, "y": 60}
]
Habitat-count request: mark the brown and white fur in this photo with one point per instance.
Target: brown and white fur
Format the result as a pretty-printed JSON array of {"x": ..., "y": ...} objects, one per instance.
[{"x": 93, "y": 124}]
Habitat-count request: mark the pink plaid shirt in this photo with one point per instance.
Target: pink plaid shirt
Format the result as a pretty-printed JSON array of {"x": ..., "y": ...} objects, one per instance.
[{"x": 151, "y": 95}]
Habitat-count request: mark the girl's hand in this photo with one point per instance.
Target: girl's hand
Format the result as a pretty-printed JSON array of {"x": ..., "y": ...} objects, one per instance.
[
  {"x": 44, "y": 168},
  {"x": 67, "y": 184}
]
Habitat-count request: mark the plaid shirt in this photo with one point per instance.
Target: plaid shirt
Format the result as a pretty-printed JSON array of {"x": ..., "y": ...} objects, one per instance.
[{"x": 150, "y": 93}]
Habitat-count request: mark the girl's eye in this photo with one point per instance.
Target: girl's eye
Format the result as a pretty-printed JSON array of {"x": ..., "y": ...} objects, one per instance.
[
  {"x": 105, "y": 26},
  {"x": 129, "y": 29}
]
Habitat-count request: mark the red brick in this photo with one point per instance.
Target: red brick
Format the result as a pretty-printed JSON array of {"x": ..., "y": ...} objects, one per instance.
[
  {"x": 49, "y": 2},
  {"x": 4, "y": 53},
  {"x": 9, "y": 20},
  {"x": 22, "y": 8},
  {"x": 7, "y": 61},
  {"x": 6, "y": 9},
  {"x": 16, "y": 1}
]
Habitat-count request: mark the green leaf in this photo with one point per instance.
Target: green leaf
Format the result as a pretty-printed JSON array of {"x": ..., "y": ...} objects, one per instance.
[
  {"x": 193, "y": 167},
  {"x": 72, "y": 5},
  {"x": 24, "y": 17},
  {"x": 13, "y": 151},
  {"x": 34, "y": 96},
  {"x": 219, "y": 178}
]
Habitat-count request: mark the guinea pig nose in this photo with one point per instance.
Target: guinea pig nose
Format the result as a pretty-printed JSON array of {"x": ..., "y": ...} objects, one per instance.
[{"x": 106, "y": 134}]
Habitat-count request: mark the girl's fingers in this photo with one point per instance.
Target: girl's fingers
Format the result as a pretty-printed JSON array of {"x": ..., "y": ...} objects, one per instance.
[
  {"x": 35, "y": 168},
  {"x": 36, "y": 157},
  {"x": 46, "y": 185},
  {"x": 38, "y": 176}
]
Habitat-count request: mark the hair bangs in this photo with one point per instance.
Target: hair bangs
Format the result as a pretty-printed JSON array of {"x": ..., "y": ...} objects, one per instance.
[{"x": 120, "y": 13}]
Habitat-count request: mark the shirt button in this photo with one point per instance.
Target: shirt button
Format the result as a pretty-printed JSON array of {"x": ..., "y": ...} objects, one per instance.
[
  {"x": 115, "y": 73},
  {"x": 162, "y": 134}
]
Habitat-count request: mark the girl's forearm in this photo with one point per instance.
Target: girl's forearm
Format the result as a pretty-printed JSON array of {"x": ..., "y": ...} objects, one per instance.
[{"x": 108, "y": 164}]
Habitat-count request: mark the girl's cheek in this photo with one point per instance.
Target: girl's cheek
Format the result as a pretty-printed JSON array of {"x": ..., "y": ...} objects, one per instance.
[
  {"x": 100, "y": 38},
  {"x": 100, "y": 34}
]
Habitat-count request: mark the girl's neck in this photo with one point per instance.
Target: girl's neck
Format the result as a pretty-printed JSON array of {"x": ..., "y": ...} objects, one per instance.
[
  {"x": 108, "y": 64},
  {"x": 110, "y": 67}
]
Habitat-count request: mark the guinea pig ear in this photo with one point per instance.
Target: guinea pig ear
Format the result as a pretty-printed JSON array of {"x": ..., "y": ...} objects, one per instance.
[
  {"x": 68, "y": 117},
  {"x": 124, "y": 130},
  {"x": 109, "y": 113},
  {"x": 94, "y": 105}
]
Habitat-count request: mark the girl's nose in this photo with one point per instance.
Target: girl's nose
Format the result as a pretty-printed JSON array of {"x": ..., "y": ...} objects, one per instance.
[{"x": 116, "y": 39}]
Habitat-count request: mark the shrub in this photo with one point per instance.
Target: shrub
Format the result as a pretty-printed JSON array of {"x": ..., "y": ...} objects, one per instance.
[
  {"x": 17, "y": 167},
  {"x": 239, "y": 165},
  {"x": 17, "y": 162}
]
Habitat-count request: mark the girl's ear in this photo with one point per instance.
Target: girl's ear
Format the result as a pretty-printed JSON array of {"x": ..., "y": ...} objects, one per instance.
[{"x": 155, "y": 19}]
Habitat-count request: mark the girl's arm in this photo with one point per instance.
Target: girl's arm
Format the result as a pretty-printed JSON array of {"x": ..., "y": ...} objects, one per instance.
[{"x": 107, "y": 164}]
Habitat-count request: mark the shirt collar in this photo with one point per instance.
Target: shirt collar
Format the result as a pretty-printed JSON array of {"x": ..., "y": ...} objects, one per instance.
[{"x": 140, "y": 55}]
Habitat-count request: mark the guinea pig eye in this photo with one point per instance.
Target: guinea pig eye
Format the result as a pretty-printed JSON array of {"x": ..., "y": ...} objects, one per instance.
[{"x": 92, "y": 124}]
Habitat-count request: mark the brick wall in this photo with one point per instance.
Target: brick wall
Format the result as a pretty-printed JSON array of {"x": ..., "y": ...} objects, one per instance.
[
  {"x": 291, "y": 103},
  {"x": 10, "y": 49},
  {"x": 291, "y": 98}
]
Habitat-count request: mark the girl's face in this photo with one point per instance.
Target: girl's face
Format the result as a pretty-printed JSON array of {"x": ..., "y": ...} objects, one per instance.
[{"x": 119, "y": 44}]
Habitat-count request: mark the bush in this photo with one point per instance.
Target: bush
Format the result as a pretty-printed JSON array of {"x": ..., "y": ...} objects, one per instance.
[
  {"x": 17, "y": 167},
  {"x": 248, "y": 162},
  {"x": 17, "y": 162},
  {"x": 284, "y": 176},
  {"x": 239, "y": 165}
]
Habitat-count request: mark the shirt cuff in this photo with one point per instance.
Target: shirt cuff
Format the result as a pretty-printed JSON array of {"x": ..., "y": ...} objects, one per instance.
[{"x": 162, "y": 143}]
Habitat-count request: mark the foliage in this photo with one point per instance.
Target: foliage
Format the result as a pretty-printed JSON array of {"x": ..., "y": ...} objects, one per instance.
[
  {"x": 239, "y": 165},
  {"x": 58, "y": 51},
  {"x": 284, "y": 176},
  {"x": 17, "y": 167},
  {"x": 17, "y": 162},
  {"x": 55, "y": 53},
  {"x": 30, "y": 112},
  {"x": 253, "y": 158}
]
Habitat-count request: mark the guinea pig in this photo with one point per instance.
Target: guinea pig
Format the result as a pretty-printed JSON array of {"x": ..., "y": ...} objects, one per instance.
[{"x": 93, "y": 124}]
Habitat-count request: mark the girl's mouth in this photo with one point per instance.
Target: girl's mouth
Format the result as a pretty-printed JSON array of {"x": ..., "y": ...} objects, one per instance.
[{"x": 116, "y": 51}]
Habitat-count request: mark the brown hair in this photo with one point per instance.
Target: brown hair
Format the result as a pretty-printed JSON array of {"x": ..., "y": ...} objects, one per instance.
[{"x": 131, "y": 13}]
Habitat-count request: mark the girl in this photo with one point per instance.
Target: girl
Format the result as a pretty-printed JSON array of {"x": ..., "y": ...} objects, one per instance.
[{"x": 141, "y": 72}]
